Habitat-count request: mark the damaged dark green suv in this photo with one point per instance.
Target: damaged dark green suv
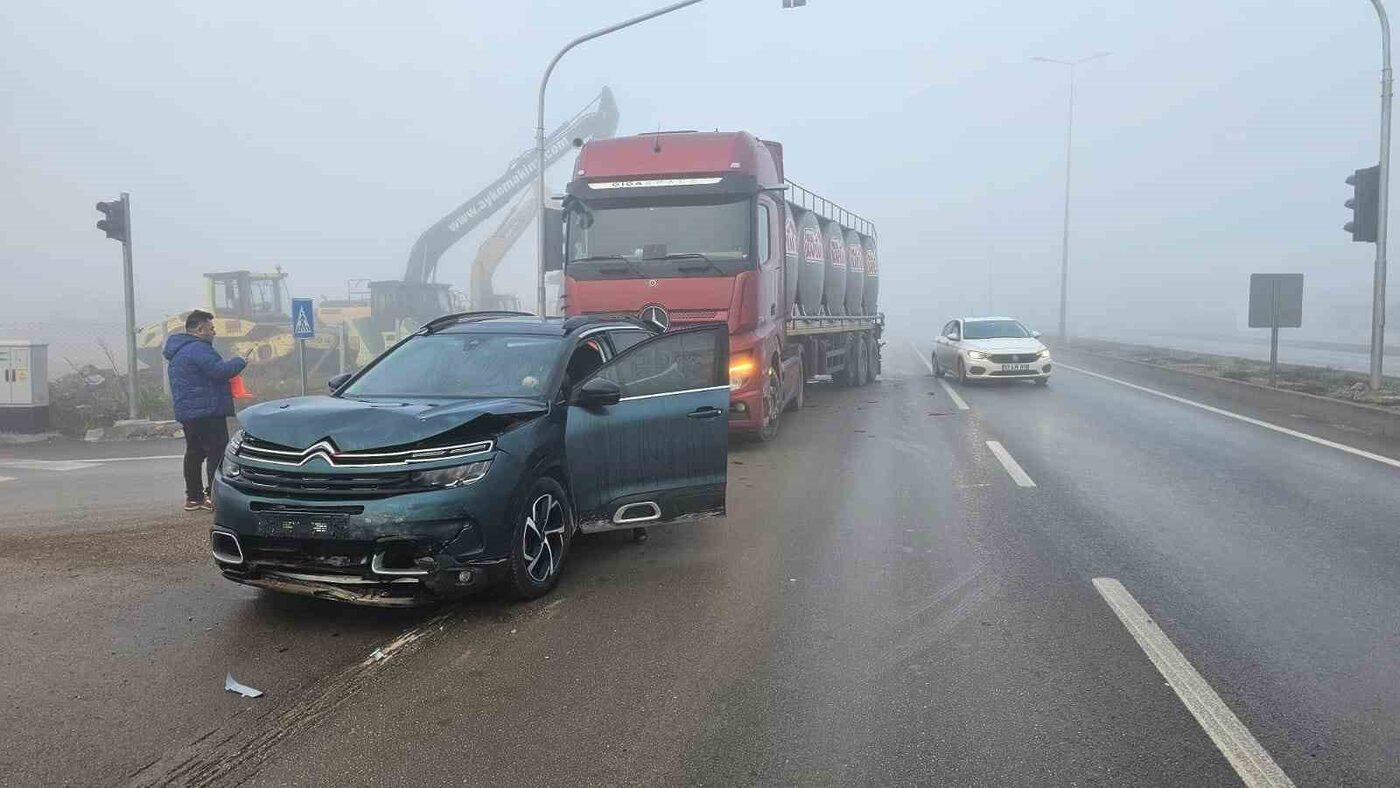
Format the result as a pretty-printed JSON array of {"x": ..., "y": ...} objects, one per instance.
[{"x": 472, "y": 452}]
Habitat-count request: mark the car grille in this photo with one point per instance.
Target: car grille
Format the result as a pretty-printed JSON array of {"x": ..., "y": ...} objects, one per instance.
[
  {"x": 1013, "y": 358},
  {"x": 323, "y": 485},
  {"x": 347, "y": 558},
  {"x": 1011, "y": 373}
]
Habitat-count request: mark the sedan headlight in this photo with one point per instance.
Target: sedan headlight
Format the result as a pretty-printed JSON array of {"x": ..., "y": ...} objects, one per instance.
[
  {"x": 453, "y": 476},
  {"x": 1044, "y": 353},
  {"x": 976, "y": 355}
]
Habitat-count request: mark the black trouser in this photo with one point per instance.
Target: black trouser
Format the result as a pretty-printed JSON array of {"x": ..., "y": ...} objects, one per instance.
[{"x": 205, "y": 439}]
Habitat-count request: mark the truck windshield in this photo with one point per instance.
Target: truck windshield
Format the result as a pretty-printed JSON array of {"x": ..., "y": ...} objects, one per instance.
[
  {"x": 461, "y": 366},
  {"x": 659, "y": 240}
]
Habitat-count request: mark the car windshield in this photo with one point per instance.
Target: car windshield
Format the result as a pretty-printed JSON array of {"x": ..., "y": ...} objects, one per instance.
[
  {"x": 461, "y": 366},
  {"x": 994, "y": 329},
  {"x": 686, "y": 239}
]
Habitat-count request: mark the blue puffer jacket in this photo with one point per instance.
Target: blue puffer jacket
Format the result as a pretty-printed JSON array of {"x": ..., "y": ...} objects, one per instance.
[{"x": 199, "y": 377}]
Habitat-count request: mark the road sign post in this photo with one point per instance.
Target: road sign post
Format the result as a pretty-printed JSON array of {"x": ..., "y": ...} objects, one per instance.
[
  {"x": 303, "y": 328},
  {"x": 1275, "y": 301}
]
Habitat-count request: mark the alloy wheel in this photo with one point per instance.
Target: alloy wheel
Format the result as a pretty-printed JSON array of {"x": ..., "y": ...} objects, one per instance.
[{"x": 542, "y": 538}]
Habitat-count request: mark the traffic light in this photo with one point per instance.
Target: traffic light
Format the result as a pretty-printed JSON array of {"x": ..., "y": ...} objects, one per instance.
[
  {"x": 1364, "y": 204},
  {"x": 115, "y": 224}
]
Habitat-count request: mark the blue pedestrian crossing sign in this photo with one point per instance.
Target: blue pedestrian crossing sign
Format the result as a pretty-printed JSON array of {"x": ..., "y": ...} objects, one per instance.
[{"x": 303, "y": 318}]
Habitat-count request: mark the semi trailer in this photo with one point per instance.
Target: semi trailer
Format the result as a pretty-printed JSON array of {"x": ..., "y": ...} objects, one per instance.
[{"x": 681, "y": 228}]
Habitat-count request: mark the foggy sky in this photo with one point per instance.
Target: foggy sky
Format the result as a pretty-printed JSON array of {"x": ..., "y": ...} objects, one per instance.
[{"x": 325, "y": 137}]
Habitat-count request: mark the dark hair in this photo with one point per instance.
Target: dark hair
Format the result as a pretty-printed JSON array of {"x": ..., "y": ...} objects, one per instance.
[{"x": 196, "y": 317}]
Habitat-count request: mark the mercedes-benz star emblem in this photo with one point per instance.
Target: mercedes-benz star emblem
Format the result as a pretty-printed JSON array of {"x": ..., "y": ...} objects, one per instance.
[{"x": 657, "y": 316}]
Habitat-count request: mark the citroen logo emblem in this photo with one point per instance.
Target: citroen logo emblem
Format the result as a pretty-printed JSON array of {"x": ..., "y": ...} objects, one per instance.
[{"x": 657, "y": 316}]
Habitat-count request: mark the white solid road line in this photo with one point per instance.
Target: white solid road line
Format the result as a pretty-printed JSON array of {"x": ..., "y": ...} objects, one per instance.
[
  {"x": 7, "y": 478},
  {"x": 137, "y": 459},
  {"x": 953, "y": 395},
  {"x": 1245, "y": 753},
  {"x": 1257, "y": 422},
  {"x": 1012, "y": 467}
]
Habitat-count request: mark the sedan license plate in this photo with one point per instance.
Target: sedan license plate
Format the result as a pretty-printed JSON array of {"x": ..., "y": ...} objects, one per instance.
[
  {"x": 1016, "y": 367},
  {"x": 302, "y": 525}
]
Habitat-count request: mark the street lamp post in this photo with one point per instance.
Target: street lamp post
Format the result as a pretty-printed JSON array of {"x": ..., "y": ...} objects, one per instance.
[
  {"x": 1069, "y": 154},
  {"x": 539, "y": 126},
  {"x": 1382, "y": 205}
]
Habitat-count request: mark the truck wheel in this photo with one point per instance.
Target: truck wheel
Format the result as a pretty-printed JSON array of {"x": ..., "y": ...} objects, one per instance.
[
  {"x": 846, "y": 377},
  {"x": 863, "y": 356},
  {"x": 873, "y": 360},
  {"x": 799, "y": 398},
  {"x": 544, "y": 526},
  {"x": 772, "y": 404}
]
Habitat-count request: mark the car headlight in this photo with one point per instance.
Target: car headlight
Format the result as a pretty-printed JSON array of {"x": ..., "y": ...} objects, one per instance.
[
  {"x": 229, "y": 468},
  {"x": 235, "y": 442},
  {"x": 1044, "y": 353},
  {"x": 976, "y": 355},
  {"x": 452, "y": 476}
]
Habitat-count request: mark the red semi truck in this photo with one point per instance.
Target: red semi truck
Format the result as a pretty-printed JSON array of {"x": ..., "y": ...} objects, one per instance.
[{"x": 690, "y": 227}]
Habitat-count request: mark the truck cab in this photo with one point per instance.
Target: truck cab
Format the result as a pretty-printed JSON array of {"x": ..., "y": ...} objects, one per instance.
[{"x": 684, "y": 228}]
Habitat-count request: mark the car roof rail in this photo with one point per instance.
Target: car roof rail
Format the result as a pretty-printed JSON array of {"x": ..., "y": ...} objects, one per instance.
[
  {"x": 572, "y": 324},
  {"x": 469, "y": 317}
]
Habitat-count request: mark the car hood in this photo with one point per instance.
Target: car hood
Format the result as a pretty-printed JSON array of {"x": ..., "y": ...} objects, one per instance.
[
  {"x": 1004, "y": 345},
  {"x": 356, "y": 425}
]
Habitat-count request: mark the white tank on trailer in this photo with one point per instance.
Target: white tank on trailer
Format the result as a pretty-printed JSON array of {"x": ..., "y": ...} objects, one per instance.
[
  {"x": 870, "y": 297},
  {"x": 811, "y": 281},
  {"x": 835, "y": 284},
  {"x": 855, "y": 274}
]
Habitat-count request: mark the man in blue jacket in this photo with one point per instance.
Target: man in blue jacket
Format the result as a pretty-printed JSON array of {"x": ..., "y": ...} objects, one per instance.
[{"x": 199, "y": 386}]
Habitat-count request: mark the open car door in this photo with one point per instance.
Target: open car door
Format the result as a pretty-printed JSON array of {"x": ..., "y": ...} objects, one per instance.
[{"x": 646, "y": 437}]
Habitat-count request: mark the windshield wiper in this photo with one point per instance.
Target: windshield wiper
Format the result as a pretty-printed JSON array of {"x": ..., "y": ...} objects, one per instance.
[
  {"x": 710, "y": 264},
  {"x": 609, "y": 257}
]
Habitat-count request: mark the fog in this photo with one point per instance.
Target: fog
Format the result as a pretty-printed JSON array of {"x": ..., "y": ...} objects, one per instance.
[{"x": 324, "y": 137}]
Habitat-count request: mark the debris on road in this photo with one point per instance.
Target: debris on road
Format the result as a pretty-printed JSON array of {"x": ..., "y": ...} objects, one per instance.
[{"x": 231, "y": 685}]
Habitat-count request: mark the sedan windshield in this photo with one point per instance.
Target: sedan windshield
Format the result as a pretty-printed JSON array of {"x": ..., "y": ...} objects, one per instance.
[
  {"x": 994, "y": 329},
  {"x": 461, "y": 365},
  {"x": 660, "y": 240}
]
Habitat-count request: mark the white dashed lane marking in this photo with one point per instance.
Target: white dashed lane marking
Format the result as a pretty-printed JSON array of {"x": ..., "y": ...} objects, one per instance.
[
  {"x": 952, "y": 395},
  {"x": 1018, "y": 474},
  {"x": 1249, "y": 758}
]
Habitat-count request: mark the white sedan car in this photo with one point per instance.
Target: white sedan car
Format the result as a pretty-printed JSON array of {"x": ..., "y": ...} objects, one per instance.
[{"x": 983, "y": 348}]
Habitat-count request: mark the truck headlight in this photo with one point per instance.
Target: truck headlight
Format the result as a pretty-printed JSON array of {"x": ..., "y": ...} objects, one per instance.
[
  {"x": 453, "y": 476},
  {"x": 741, "y": 369},
  {"x": 976, "y": 355}
]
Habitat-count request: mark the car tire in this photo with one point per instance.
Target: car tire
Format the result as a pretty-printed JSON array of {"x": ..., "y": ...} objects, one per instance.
[
  {"x": 937, "y": 368},
  {"x": 772, "y": 404},
  {"x": 544, "y": 527},
  {"x": 962, "y": 372},
  {"x": 1043, "y": 382},
  {"x": 799, "y": 398}
]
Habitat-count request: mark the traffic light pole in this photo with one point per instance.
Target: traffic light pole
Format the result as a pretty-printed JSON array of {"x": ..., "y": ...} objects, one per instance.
[
  {"x": 1378, "y": 294},
  {"x": 130, "y": 311}
]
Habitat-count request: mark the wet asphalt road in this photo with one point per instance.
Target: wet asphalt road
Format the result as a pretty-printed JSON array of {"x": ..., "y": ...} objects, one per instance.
[{"x": 883, "y": 605}]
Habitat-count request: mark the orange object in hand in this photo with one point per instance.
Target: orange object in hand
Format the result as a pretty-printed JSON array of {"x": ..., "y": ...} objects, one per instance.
[{"x": 237, "y": 388}]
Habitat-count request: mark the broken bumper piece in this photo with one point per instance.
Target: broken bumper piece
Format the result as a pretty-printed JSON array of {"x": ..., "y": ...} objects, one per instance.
[{"x": 388, "y": 592}]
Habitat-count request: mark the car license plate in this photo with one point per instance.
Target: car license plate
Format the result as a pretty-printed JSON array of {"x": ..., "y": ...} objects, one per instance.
[
  {"x": 301, "y": 525},
  {"x": 1016, "y": 367}
]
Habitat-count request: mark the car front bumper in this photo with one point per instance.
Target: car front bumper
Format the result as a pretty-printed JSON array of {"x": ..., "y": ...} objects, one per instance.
[
  {"x": 403, "y": 550},
  {"x": 986, "y": 368}
]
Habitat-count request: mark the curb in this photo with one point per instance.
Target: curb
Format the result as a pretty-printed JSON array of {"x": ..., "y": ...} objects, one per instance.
[{"x": 1366, "y": 418}]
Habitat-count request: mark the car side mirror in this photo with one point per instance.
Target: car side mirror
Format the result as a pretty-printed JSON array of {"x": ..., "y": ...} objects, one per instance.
[
  {"x": 1035, "y": 335},
  {"x": 336, "y": 382},
  {"x": 597, "y": 393}
]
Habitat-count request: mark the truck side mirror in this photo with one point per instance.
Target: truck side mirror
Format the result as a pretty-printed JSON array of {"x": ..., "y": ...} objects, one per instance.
[
  {"x": 336, "y": 382},
  {"x": 553, "y": 219},
  {"x": 597, "y": 393}
]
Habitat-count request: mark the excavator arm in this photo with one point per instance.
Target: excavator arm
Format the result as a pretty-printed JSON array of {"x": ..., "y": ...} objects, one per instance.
[
  {"x": 493, "y": 251},
  {"x": 596, "y": 121}
]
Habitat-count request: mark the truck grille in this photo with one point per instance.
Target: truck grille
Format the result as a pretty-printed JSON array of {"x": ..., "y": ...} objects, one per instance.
[
  {"x": 323, "y": 485},
  {"x": 1013, "y": 358}
]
